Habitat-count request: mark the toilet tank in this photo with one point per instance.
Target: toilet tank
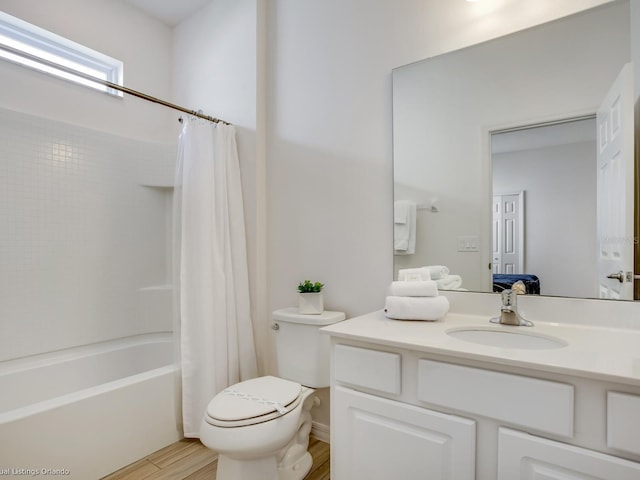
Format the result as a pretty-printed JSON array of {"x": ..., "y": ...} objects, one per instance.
[{"x": 302, "y": 351}]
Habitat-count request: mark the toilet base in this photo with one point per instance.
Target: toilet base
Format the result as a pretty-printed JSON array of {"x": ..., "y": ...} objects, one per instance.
[
  {"x": 297, "y": 470},
  {"x": 262, "y": 468}
]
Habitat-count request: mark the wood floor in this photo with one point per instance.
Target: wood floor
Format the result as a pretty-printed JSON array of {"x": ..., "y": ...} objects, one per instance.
[{"x": 188, "y": 459}]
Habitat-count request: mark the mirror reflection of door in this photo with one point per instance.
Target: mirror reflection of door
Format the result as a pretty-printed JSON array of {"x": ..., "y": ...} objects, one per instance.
[
  {"x": 508, "y": 230},
  {"x": 556, "y": 165}
]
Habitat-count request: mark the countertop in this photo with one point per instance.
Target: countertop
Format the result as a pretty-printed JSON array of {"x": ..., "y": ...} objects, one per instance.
[{"x": 608, "y": 354}]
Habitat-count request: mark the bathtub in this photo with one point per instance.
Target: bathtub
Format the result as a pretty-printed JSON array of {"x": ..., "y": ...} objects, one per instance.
[{"x": 88, "y": 411}]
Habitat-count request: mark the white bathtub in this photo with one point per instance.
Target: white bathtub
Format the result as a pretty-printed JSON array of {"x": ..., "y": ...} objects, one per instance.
[{"x": 85, "y": 412}]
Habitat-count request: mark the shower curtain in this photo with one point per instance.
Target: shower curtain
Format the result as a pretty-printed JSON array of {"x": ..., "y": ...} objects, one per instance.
[{"x": 210, "y": 265}]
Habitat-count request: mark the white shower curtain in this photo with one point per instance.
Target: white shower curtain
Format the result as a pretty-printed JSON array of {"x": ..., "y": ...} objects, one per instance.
[{"x": 217, "y": 347}]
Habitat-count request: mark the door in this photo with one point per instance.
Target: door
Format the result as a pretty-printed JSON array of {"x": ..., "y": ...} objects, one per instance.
[
  {"x": 615, "y": 237},
  {"x": 375, "y": 438},
  {"x": 525, "y": 457},
  {"x": 508, "y": 233}
]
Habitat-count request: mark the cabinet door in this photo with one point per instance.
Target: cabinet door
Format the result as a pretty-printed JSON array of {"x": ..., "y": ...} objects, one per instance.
[
  {"x": 378, "y": 439},
  {"x": 525, "y": 457}
]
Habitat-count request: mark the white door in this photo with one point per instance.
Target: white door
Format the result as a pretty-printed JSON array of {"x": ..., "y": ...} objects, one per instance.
[
  {"x": 615, "y": 189},
  {"x": 508, "y": 233},
  {"x": 526, "y": 457},
  {"x": 375, "y": 438}
]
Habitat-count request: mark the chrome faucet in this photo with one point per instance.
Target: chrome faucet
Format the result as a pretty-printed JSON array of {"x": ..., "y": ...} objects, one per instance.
[{"x": 509, "y": 311}]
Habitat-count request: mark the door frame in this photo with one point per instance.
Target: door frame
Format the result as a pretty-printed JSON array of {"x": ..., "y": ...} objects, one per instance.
[{"x": 487, "y": 132}]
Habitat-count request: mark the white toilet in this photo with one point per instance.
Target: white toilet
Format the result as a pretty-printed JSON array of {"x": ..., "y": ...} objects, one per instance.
[{"x": 260, "y": 427}]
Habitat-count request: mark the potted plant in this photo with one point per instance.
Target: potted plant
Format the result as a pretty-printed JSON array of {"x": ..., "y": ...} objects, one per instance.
[{"x": 310, "y": 301}]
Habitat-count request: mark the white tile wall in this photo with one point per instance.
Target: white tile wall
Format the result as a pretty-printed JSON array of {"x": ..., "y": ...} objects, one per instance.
[{"x": 79, "y": 235}]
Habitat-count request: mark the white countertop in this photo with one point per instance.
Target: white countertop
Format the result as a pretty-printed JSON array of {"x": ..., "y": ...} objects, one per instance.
[{"x": 610, "y": 354}]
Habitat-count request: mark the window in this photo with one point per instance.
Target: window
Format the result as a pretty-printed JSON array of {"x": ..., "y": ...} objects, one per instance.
[{"x": 34, "y": 47}]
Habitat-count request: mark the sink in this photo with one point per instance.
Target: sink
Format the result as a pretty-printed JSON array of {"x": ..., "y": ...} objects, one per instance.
[{"x": 504, "y": 338}]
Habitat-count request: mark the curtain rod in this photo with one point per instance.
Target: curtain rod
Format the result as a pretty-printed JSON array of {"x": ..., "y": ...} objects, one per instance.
[{"x": 109, "y": 84}]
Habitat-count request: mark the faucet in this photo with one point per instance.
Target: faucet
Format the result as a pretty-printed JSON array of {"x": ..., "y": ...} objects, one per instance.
[{"x": 509, "y": 312}]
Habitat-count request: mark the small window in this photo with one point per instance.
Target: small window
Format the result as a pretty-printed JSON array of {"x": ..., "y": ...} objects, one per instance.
[{"x": 34, "y": 47}]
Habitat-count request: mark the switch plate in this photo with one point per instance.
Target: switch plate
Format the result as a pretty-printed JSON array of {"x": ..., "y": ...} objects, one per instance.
[{"x": 468, "y": 243}]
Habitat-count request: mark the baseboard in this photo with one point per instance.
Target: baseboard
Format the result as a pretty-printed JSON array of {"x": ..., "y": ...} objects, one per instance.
[{"x": 320, "y": 431}]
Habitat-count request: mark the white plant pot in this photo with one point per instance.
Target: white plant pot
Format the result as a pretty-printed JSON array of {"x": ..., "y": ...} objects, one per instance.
[{"x": 310, "y": 303}]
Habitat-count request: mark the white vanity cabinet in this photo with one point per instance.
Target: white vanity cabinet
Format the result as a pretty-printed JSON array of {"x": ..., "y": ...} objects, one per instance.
[
  {"x": 376, "y": 438},
  {"x": 381, "y": 439},
  {"x": 415, "y": 415}
]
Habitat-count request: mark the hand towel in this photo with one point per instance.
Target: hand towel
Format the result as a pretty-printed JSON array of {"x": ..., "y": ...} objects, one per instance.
[
  {"x": 423, "y": 288},
  {"x": 414, "y": 274},
  {"x": 400, "y": 212},
  {"x": 449, "y": 282},
  {"x": 404, "y": 227},
  {"x": 438, "y": 271},
  {"x": 416, "y": 308}
]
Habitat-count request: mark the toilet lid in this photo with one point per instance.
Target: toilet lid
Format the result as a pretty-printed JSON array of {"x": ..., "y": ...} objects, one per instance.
[{"x": 254, "y": 398}]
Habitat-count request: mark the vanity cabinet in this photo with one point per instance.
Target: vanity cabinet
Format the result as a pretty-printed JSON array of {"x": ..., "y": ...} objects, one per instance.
[
  {"x": 381, "y": 439},
  {"x": 399, "y": 413}
]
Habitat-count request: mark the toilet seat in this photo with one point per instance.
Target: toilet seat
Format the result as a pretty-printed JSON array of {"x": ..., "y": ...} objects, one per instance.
[{"x": 253, "y": 401}]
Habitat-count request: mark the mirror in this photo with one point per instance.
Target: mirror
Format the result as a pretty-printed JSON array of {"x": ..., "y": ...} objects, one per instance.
[{"x": 463, "y": 122}]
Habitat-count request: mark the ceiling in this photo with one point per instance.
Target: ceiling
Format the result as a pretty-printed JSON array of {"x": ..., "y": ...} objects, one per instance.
[{"x": 170, "y": 12}]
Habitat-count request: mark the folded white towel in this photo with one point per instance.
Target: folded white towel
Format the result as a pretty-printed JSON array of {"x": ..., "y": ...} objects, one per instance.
[
  {"x": 414, "y": 274},
  {"x": 404, "y": 227},
  {"x": 423, "y": 288},
  {"x": 449, "y": 282},
  {"x": 416, "y": 308},
  {"x": 400, "y": 212},
  {"x": 438, "y": 271}
]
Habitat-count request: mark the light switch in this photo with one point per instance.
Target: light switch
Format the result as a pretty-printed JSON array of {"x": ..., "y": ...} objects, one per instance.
[{"x": 468, "y": 243}]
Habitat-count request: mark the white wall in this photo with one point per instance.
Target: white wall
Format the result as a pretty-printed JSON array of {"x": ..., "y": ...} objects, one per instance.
[
  {"x": 329, "y": 130},
  {"x": 77, "y": 212},
  {"x": 117, "y": 30},
  {"x": 84, "y": 239},
  {"x": 560, "y": 221}
]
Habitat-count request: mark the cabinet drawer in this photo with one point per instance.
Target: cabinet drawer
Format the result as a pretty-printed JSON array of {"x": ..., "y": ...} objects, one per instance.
[
  {"x": 623, "y": 422},
  {"x": 361, "y": 367},
  {"x": 529, "y": 402}
]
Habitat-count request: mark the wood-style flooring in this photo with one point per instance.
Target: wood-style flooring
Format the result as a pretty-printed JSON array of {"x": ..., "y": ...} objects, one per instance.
[{"x": 188, "y": 459}]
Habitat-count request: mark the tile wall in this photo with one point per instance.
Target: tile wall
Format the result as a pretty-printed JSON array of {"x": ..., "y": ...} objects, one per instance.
[{"x": 85, "y": 221}]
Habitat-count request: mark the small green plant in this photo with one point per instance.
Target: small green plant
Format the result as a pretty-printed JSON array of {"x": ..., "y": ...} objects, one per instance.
[{"x": 308, "y": 287}]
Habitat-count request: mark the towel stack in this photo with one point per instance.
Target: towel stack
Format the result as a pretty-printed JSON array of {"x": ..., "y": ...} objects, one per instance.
[
  {"x": 415, "y": 297},
  {"x": 444, "y": 280}
]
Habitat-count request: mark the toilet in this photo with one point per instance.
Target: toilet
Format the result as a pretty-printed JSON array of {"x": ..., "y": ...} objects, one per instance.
[{"x": 260, "y": 427}]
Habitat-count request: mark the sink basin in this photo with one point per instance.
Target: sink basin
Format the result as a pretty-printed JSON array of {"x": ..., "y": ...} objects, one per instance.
[{"x": 515, "y": 338}]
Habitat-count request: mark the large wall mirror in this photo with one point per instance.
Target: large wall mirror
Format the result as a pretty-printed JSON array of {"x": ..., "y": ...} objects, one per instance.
[{"x": 513, "y": 160}]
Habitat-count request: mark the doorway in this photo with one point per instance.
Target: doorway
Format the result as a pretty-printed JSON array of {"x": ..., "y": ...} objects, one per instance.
[{"x": 554, "y": 234}]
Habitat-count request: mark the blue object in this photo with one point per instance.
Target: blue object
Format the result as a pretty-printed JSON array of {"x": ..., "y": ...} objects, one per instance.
[{"x": 504, "y": 281}]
